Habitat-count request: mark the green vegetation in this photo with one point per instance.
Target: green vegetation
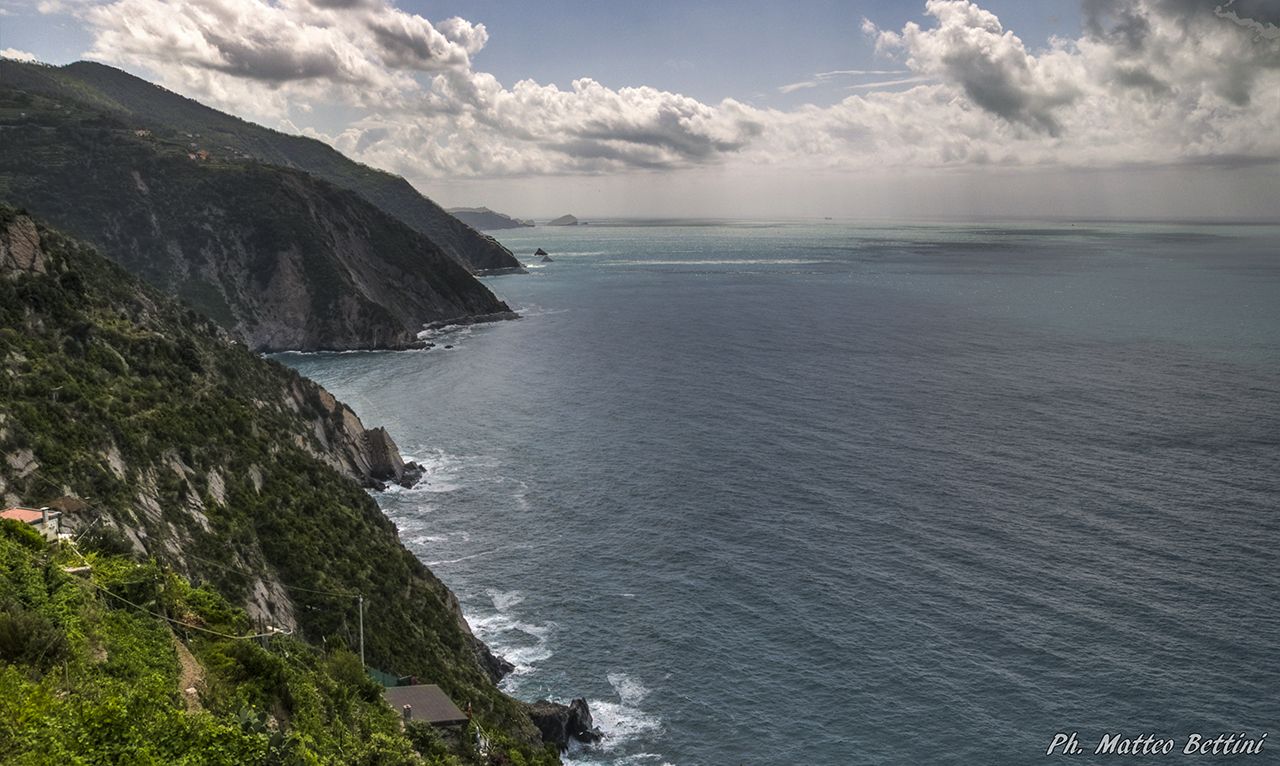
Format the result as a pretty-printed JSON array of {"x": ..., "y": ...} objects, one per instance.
[
  {"x": 98, "y": 679},
  {"x": 179, "y": 436}
]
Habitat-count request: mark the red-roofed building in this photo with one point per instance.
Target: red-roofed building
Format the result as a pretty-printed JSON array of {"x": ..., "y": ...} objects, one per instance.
[{"x": 46, "y": 521}]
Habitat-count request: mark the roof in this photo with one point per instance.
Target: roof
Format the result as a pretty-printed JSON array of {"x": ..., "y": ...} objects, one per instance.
[
  {"x": 25, "y": 515},
  {"x": 429, "y": 704}
]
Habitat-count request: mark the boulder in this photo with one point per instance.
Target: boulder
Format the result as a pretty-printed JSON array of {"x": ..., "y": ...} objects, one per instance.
[{"x": 560, "y": 723}]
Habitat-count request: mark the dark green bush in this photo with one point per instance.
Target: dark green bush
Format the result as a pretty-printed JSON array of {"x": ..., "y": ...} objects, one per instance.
[{"x": 29, "y": 638}]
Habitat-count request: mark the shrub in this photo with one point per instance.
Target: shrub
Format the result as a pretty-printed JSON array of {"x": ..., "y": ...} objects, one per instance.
[{"x": 29, "y": 638}]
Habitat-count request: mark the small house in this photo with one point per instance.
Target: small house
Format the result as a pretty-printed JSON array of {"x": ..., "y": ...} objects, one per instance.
[
  {"x": 46, "y": 521},
  {"x": 426, "y": 703}
]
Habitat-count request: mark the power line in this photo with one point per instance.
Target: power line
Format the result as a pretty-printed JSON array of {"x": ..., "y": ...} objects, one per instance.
[{"x": 273, "y": 632}]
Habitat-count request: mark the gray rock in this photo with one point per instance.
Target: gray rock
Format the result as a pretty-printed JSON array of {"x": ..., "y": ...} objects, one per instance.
[{"x": 561, "y": 723}]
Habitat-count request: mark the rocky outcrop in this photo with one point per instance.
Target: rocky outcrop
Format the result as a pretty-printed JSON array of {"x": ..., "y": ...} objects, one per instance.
[
  {"x": 20, "y": 251},
  {"x": 368, "y": 455},
  {"x": 385, "y": 463},
  {"x": 564, "y": 220},
  {"x": 561, "y": 723},
  {"x": 496, "y": 667}
]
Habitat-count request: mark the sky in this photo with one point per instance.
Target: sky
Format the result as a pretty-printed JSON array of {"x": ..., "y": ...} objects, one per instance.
[{"x": 936, "y": 109}]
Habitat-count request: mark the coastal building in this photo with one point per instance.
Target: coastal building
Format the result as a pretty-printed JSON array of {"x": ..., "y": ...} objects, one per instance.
[
  {"x": 46, "y": 521},
  {"x": 425, "y": 702}
]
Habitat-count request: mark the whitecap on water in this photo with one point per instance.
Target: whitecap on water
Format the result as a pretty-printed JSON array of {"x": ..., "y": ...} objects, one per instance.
[
  {"x": 521, "y": 643},
  {"x": 621, "y": 722},
  {"x": 441, "y": 472}
]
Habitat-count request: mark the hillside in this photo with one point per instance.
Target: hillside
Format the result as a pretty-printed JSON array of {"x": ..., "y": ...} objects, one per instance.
[
  {"x": 126, "y": 662},
  {"x": 484, "y": 219},
  {"x": 141, "y": 104},
  {"x": 282, "y": 258},
  {"x": 177, "y": 444}
]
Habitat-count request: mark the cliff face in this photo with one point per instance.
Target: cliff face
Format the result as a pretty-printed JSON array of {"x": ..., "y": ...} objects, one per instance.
[
  {"x": 285, "y": 260},
  {"x": 141, "y": 105},
  {"x": 151, "y": 425}
]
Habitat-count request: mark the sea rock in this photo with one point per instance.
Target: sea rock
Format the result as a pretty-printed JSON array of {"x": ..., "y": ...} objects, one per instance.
[
  {"x": 564, "y": 220},
  {"x": 495, "y": 665},
  {"x": 560, "y": 723}
]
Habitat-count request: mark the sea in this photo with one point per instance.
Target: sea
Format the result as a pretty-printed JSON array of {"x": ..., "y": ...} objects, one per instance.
[{"x": 829, "y": 492}]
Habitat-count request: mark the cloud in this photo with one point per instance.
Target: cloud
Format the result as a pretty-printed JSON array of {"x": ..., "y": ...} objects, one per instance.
[
  {"x": 889, "y": 83},
  {"x": 969, "y": 48},
  {"x": 365, "y": 47},
  {"x": 1164, "y": 45},
  {"x": 795, "y": 86},
  {"x": 1147, "y": 82},
  {"x": 823, "y": 77},
  {"x": 17, "y": 55}
]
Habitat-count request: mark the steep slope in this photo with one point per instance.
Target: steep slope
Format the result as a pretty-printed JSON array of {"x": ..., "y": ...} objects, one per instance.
[
  {"x": 483, "y": 219},
  {"x": 125, "y": 662},
  {"x": 179, "y": 443},
  {"x": 144, "y": 105},
  {"x": 285, "y": 260}
]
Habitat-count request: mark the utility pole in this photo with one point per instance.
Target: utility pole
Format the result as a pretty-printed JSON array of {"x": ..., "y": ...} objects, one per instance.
[{"x": 361, "y": 597}]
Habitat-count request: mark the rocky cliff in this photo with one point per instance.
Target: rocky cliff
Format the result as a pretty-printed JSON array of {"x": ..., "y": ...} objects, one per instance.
[
  {"x": 157, "y": 432},
  {"x": 144, "y": 106},
  {"x": 283, "y": 259}
]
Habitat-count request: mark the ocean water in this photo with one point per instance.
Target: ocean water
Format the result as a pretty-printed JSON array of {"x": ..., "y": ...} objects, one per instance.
[{"x": 838, "y": 494}]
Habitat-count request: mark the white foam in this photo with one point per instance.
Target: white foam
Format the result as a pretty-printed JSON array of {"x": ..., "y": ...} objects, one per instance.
[
  {"x": 523, "y": 644},
  {"x": 579, "y": 757},
  {"x": 620, "y": 722},
  {"x": 504, "y": 600},
  {"x": 629, "y": 690},
  {"x": 719, "y": 262},
  {"x": 533, "y": 310},
  {"x": 441, "y": 471},
  {"x": 468, "y": 557}
]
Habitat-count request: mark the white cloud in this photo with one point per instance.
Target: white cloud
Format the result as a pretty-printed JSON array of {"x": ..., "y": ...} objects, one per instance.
[
  {"x": 1149, "y": 82},
  {"x": 824, "y": 77},
  {"x": 972, "y": 51},
  {"x": 17, "y": 55},
  {"x": 889, "y": 83}
]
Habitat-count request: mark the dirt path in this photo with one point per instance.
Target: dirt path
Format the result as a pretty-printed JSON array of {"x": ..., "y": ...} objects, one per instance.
[{"x": 190, "y": 676}]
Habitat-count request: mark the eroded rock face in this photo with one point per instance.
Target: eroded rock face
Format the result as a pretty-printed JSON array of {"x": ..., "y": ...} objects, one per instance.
[
  {"x": 560, "y": 723},
  {"x": 494, "y": 665},
  {"x": 370, "y": 456},
  {"x": 20, "y": 251}
]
